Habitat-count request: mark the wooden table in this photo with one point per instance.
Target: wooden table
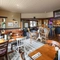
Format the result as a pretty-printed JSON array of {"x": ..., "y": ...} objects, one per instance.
[
  {"x": 14, "y": 38},
  {"x": 48, "y": 52},
  {"x": 2, "y": 40},
  {"x": 11, "y": 40}
]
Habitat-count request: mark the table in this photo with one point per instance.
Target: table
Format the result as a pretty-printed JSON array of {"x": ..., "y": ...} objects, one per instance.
[
  {"x": 11, "y": 40},
  {"x": 48, "y": 53},
  {"x": 14, "y": 38},
  {"x": 2, "y": 40}
]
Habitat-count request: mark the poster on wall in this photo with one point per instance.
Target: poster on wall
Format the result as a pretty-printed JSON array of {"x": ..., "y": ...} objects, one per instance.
[
  {"x": 10, "y": 24},
  {"x": 15, "y": 24}
]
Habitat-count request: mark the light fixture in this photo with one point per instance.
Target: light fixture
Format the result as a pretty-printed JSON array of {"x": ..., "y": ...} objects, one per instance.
[
  {"x": 34, "y": 18},
  {"x": 14, "y": 20}
]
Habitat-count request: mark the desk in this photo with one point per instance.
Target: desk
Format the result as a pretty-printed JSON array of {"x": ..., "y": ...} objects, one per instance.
[{"x": 48, "y": 52}]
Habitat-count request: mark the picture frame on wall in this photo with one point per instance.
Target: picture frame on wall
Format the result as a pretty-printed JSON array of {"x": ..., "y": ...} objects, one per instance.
[
  {"x": 10, "y": 24},
  {"x": 15, "y": 24}
]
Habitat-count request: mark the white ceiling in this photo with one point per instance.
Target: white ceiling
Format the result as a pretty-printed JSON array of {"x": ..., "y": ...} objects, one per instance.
[{"x": 30, "y": 6}]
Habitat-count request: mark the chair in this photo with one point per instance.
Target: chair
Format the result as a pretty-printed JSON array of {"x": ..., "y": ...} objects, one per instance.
[
  {"x": 21, "y": 45},
  {"x": 53, "y": 31},
  {"x": 15, "y": 56},
  {"x": 32, "y": 35},
  {"x": 40, "y": 31},
  {"x": 53, "y": 43},
  {"x": 18, "y": 43},
  {"x": 49, "y": 42},
  {"x": 56, "y": 45},
  {"x": 45, "y": 34},
  {"x": 4, "y": 49}
]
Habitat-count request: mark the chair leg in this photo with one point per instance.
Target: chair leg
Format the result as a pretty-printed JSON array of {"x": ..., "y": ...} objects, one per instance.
[{"x": 6, "y": 57}]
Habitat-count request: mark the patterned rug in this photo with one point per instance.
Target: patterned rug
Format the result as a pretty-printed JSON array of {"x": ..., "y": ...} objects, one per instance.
[
  {"x": 14, "y": 56},
  {"x": 29, "y": 47}
]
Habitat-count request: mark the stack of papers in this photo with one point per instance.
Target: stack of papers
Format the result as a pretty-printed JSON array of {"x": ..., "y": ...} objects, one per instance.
[{"x": 35, "y": 56}]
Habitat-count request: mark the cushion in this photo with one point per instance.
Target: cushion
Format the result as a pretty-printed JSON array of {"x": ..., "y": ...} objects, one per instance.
[{"x": 2, "y": 51}]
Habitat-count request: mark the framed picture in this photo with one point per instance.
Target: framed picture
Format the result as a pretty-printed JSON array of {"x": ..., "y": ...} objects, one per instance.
[
  {"x": 15, "y": 24},
  {"x": 10, "y": 24}
]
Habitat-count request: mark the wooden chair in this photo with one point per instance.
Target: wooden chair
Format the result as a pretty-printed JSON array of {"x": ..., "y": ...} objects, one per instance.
[
  {"x": 4, "y": 49},
  {"x": 56, "y": 45},
  {"x": 32, "y": 35},
  {"x": 45, "y": 34},
  {"x": 49, "y": 42},
  {"x": 53, "y": 43}
]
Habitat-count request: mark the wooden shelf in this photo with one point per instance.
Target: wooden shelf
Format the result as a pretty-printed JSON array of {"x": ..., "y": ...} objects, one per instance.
[
  {"x": 3, "y": 17},
  {"x": 8, "y": 28}
]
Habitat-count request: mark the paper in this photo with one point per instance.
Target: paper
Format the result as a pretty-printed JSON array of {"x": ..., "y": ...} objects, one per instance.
[
  {"x": 35, "y": 56},
  {"x": 15, "y": 23},
  {"x": 10, "y": 24}
]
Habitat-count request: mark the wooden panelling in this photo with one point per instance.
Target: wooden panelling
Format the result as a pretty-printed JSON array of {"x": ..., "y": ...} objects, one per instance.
[{"x": 15, "y": 31}]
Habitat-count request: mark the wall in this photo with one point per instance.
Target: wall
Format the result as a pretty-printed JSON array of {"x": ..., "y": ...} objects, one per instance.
[
  {"x": 37, "y": 15},
  {"x": 10, "y": 18},
  {"x": 31, "y": 15},
  {"x": 14, "y": 31},
  {"x": 49, "y": 14}
]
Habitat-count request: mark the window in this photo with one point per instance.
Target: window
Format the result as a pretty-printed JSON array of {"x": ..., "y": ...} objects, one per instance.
[
  {"x": 33, "y": 23},
  {"x": 57, "y": 13}
]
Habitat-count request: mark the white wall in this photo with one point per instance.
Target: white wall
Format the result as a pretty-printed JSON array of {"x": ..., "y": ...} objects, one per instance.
[
  {"x": 31, "y": 15},
  {"x": 10, "y": 16},
  {"x": 49, "y": 14},
  {"x": 37, "y": 15}
]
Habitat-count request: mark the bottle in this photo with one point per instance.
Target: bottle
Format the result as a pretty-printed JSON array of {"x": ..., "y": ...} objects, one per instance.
[
  {"x": 3, "y": 24},
  {"x": 5, "y": 37}
]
